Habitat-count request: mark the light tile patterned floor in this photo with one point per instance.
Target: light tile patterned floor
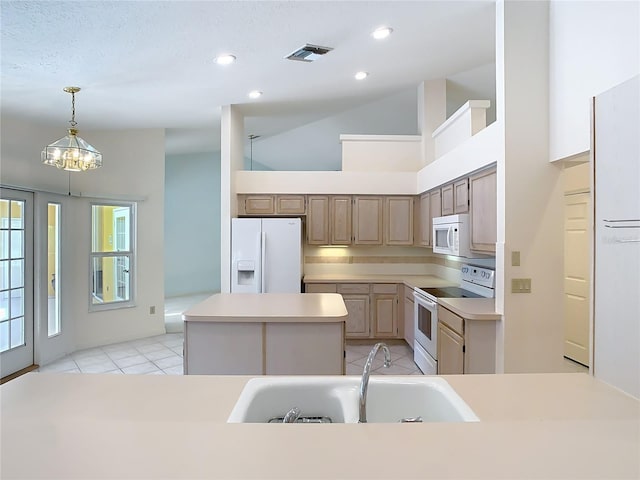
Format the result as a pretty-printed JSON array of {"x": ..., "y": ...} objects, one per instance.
[{"x": 162, "y": 354}]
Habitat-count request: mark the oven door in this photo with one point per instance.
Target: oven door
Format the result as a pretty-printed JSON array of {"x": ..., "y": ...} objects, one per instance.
[{"x": 426, "y": 324}]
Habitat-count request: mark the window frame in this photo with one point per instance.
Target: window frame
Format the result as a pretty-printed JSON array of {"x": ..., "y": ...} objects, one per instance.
[{"x": 131, "y": 254}]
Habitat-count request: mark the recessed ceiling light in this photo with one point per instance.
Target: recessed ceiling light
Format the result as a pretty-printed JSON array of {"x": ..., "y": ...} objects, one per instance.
[
  {"x": 361, "y": 75},
  {"x": 255, "y": 94},
  {"x": 225, "y": 59},
  {"x": 381, "y": 32}
]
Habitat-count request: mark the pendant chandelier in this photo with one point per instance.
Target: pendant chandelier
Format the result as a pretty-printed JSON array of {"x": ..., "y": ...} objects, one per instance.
[{"x": 71, "y": 152}]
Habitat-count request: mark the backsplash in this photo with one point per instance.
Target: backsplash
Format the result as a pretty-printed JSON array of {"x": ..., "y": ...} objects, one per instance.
[{"x": 385, "y": 260}]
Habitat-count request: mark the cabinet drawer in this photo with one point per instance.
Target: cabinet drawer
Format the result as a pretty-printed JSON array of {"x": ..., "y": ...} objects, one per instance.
[
  {"x": 391, "y": 288},
  {"x": 353, "y": 288},
  {"x": 321, "y": 288},
  {"x": 452, "y": 320}
]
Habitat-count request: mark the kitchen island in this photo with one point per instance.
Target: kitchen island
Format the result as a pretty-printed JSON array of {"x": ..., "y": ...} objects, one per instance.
[
  {"x": 265, "y": 333},
  {"x": 79, "y": 426}
]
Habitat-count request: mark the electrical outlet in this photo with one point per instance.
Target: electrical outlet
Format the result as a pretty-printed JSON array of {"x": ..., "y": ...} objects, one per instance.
[
  {"x": 520, "y": 285},
  {"x": 515, "y": 259},
  {"x": 152, "y": 310}
]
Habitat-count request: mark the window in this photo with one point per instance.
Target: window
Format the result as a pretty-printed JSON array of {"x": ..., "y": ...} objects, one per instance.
[
  {"x": 54, "y": 326},
  {"x": 112, "y": 255}
]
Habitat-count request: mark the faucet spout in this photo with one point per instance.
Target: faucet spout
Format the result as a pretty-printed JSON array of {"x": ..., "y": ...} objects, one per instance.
[{"x": 364, "y": 382}]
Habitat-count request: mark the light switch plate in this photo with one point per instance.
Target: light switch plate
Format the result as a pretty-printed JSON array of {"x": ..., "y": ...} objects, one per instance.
[
  {"x": 515, "y": 259},
  {"x": 520, "y": 285}
]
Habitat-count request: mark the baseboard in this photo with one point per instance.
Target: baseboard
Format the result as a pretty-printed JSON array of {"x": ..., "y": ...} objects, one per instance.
[{"x": 28, "y": 369}]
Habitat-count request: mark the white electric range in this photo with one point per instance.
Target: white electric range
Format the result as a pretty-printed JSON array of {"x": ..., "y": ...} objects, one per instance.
[{"x": 477, "y": 282}]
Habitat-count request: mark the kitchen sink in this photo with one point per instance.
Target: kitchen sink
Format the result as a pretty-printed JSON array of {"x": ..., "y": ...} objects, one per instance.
[
  {"x": 265, "y": 399},
  {"x": 390, "y": 399}
]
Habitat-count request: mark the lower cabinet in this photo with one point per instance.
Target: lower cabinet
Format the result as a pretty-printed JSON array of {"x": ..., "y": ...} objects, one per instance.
[
  {"x": 464, "y": 345},
  {"x": 373, "y": 308},
  {"x": 409, "y": 320}
]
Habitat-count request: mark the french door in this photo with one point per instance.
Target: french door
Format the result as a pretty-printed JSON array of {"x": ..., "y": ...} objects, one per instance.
[{"x": 16, "y": 280}]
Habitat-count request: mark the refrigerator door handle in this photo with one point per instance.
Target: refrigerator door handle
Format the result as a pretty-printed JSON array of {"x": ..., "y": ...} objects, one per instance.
[{"x": 263, "y": 248}]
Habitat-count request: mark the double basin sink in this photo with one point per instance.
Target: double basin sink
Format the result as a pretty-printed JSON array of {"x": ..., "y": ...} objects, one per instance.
[{"x": 389, "y": 399}]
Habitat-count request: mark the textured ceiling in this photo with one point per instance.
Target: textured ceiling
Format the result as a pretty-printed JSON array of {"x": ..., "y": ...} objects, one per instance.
[{"x": 149, "y": 64}]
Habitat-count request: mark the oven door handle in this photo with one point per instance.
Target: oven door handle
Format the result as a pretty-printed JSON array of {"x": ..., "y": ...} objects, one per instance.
[{"x": 420, "y": 300}]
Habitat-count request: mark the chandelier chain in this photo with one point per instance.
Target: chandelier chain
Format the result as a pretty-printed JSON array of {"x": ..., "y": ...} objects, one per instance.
[{"x": 73, "y": 110}]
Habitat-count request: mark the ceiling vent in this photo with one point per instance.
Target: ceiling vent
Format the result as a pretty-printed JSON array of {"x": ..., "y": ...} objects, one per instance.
[{"x": 308, "y": 53}]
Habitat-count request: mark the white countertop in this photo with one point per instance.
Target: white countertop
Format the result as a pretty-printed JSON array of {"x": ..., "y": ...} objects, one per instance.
[
  {"x": 268, "y": 307},
  {"x": 468, "y": 308},
  {"x": 76, "y": 426}
]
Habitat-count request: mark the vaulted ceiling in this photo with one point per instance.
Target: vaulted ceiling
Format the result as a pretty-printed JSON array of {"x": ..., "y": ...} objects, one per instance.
[{"x": 149, "y": 64}]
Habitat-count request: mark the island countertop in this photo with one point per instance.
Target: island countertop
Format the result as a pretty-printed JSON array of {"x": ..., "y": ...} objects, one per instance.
[
  {"x": 268, "y": 307},
  {"x": 76, "y": 426}
]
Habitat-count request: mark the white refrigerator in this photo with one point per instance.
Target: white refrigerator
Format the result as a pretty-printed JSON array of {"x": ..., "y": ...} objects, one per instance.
[
  {"x": 266, "y": 255},
  {"x": 616, "y": 340}
]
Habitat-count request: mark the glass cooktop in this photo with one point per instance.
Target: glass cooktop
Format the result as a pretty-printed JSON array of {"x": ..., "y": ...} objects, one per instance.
[{"x": 450, "y": 292}]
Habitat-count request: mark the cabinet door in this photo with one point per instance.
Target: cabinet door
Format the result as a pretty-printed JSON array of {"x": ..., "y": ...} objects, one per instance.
[
  {"x": 367, "y": 220},
  {"x": 435, "y": 209},
  {"x": 340, "y": 220},
  {"x": 461, "y": 196},
  {"x": 446, "y": 193},
  {"x": 290, "y": 204},
  {"x": 318, "y": 220},
  {"x": 424, "y": 238},
  {"x": 409, "y": 321},
  {"x": 357, "y": 323},
  {"x": 385, "y": 315},
  {"x": 450, "y": 351},
  {"x": 484, "y": 230},
  {"x": 398, "y": 220},
  {"x": 259, "y": 205}
]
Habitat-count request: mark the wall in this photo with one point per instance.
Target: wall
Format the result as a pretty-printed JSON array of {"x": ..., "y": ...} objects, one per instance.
[
  {"x": 133, "y": 169},
  {"x": 595, "y": 45},
  {"x": 316, "y": 146},
  {"x": 192, "y": 224},
  {"x": 530, "y": 197}
]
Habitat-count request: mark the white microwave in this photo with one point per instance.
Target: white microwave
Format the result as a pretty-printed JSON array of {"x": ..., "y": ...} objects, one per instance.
[{"x": 451, "y": 235}]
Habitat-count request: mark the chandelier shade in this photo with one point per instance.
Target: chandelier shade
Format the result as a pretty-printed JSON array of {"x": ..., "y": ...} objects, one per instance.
[{"x": 71, "y": 152}]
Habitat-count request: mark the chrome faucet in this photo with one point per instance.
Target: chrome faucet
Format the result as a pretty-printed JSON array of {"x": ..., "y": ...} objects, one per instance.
[
  {"x": 291, "y": 416},
  {"x": 364, "y": 383}
]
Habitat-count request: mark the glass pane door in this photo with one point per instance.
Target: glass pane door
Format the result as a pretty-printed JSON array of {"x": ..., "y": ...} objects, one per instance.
[{"x": 16, "y": 281}]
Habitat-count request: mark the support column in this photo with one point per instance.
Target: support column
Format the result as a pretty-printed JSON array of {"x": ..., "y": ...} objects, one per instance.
[
  {"x": 432, "y": 112},
  {"x": 231, "y": 160}
]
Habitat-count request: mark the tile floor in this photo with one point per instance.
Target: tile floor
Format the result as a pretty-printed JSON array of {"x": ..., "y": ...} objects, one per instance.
[{"x": 162, "y": 355}]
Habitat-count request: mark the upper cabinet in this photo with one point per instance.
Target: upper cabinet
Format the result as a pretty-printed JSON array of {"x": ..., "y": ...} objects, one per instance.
[
  {"x": 329, "y": 220},
  {"x": 483, "y": 196},
  {"x": 340, "y": 220},
  {"x": 446, "y": 197},
  {"x": 367, "y": 220},
  {"x": 398, "y": 214},
  {"x": 318, "y": 220},
  {"x": 424, "y": 232},
  {"x": 260, "y": 204},
  {"x": 461, "y": 196}
]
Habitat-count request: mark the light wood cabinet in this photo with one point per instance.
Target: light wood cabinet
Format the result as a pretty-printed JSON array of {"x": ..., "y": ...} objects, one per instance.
[
  {"x": 450, "y": 351},
  {"x": 357, "y": 323},
  {"x": 367, "y": 220},
  {"x": 318, "y": 220},
  {"x": 259, "y": 205},
  {"x": 483, "y": 199},
  {"x": 340, "y": 221},
  {"x": 398, "y": 220},
  {"x": 384, "y": 317},
  {"x": 265, "y": 204},
  {"x": 373, "y": 309},
  {"x": 465, "y": 346},
  {"x": 461, "y": 196},
  {"x": 446, "y": 195},
  {"x": 409, "y": 319},
  {"x": 290, "y": 205},
  {"x": 424, "y": 236},
  {"x": 328, "y": 220}
]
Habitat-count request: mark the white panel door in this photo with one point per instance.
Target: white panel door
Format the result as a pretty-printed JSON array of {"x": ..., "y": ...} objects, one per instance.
[
  {"x": 282, "y": 250},
  {"x": 576, "y": 276},
  {"x": 16, "y": 281}
]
